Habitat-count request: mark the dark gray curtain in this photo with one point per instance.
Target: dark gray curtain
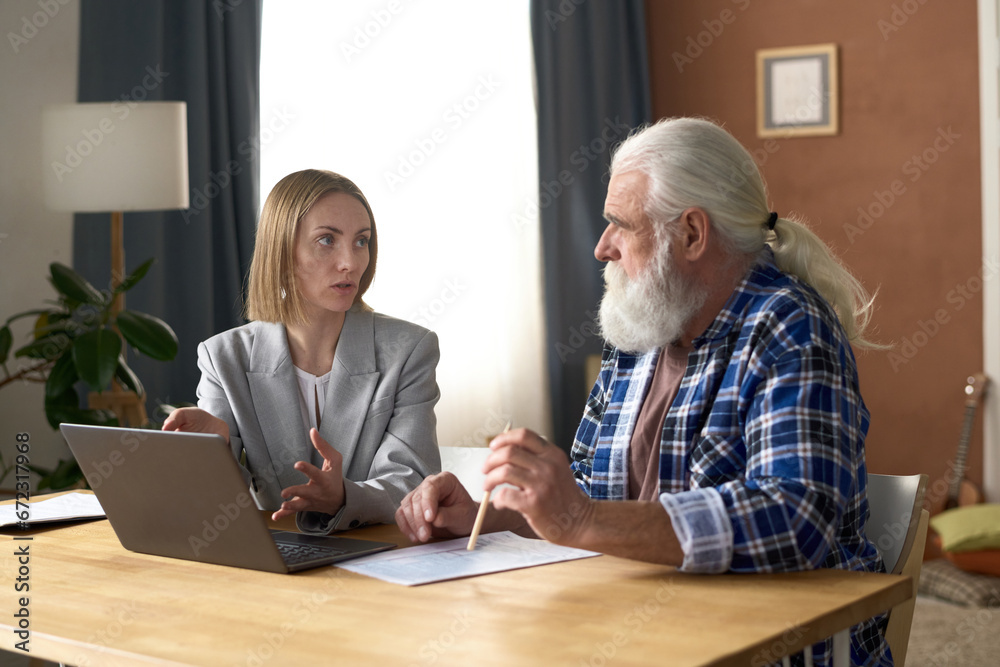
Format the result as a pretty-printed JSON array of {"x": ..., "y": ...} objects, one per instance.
[
  {"x": 206, "y": 53},
  {"x": 593, "y": 87}
]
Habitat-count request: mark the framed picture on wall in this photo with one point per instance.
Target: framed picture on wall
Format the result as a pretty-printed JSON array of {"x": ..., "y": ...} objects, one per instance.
[{"x": 797, "y": 91}]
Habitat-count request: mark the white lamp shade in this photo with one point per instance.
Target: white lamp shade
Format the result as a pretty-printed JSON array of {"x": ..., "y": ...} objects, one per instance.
[{"x": 115, "y": 156}]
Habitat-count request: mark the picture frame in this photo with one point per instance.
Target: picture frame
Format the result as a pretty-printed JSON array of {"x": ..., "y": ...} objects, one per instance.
[{"x": 797, "y": 91}]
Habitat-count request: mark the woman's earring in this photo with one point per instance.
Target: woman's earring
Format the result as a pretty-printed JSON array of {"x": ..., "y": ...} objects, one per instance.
[{"x": 283, "y": 295}]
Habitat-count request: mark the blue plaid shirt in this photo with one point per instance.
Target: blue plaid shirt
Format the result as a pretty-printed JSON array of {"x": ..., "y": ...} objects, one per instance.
[{"x": 762, "y": 462}]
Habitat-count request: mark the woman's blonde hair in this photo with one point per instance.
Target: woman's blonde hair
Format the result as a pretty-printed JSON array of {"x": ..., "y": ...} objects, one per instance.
[
  {"x": 692, "y": 162},
  {"x": 273, "y": 294}
]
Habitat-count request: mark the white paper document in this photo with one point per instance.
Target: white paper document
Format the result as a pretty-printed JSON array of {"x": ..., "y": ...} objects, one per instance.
[
  {"x": 440, "y": 561},
  {"x": 68, "y": 507}
]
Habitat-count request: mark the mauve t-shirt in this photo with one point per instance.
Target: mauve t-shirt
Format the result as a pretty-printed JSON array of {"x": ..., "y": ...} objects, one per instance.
[{"x": 644, "y": 450}]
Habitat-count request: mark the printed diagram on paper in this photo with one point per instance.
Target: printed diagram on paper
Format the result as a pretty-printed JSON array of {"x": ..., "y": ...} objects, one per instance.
[{"x": 495, "y": 552}]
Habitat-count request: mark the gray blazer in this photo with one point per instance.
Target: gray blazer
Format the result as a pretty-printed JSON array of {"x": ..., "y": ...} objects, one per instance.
[{"x": 379, "y": 412}]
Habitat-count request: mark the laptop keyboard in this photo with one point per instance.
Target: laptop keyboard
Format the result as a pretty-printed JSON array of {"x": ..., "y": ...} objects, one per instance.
[{"x": 293, "y": 554}]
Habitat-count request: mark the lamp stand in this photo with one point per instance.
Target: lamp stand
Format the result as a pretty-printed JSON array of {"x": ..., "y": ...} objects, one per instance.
[
  {"x": 117, "y": 261},
  {"x": 127, "y": 405}
]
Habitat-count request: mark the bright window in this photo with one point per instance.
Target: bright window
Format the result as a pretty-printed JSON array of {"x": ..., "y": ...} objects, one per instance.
[{"x": 428, "y": 106}]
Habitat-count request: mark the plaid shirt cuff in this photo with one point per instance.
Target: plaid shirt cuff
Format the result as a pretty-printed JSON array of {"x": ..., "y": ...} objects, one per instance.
[{"x": 702, "y": 526}]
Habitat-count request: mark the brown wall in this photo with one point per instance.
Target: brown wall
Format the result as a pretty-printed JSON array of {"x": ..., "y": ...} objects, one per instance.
[{"x": 901, "y": 91}]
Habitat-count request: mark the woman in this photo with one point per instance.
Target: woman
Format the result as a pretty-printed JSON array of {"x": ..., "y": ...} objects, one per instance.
[{"x": 328, "y": 406}]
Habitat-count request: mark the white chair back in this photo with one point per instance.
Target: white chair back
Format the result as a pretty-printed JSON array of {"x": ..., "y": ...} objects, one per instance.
[
  {"x": 895, "y": 503},
  {"x": 467, "y": 464}
]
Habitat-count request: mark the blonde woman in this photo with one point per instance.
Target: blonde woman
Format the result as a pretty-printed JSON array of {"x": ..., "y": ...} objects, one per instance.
[{"x": 328, "y": 406}]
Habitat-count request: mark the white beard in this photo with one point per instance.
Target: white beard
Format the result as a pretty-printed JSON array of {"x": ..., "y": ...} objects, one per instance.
[{"x": 650, "y": 311}]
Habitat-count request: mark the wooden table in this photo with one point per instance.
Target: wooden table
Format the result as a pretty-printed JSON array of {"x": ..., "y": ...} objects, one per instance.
[{"x": 94, "y": 603}]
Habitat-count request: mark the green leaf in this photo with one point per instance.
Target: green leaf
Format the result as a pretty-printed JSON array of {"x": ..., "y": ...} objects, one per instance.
[
  {"x": 65, "y": 409},
  {"x": 95, "y": 355},
  {"x": 72, "y": 285},
  {"x": 61, "y": 408},
  {"x": 6, "y": 340},
  {"x": 150, "y": 335},
  {"x": 27, "y": 313},
  {"x": 49, "y": 347},
  {"x": 50, "y": 322},
  {"x": 41, "y": 325},
  {"x": 134, "y": 277},
  {"x": 128, "y": 378},
  {"x": 62, "y": 376}
]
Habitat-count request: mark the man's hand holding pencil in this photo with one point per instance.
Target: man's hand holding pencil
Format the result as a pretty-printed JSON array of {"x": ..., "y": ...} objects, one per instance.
[{"x": 539, "y": 496}]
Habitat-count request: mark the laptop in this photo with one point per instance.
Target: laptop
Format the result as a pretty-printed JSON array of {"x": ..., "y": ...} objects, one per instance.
[{"x": 182, "y": 495}]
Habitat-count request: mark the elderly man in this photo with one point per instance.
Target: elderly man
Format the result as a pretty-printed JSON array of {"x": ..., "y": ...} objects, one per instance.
[{"x": 726, "y": 422}]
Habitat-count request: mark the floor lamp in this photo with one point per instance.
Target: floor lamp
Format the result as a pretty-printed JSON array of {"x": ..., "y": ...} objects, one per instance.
[{"x": 116, "y": 157}]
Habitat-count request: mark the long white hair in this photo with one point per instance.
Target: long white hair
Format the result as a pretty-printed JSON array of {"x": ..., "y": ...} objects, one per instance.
[{"x": 692, "y": 162}]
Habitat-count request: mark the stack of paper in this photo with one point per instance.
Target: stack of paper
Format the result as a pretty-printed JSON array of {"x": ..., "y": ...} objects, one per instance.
[{"x": 68, "y": 507}]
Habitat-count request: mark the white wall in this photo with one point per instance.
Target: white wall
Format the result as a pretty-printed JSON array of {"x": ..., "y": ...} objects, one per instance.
[
  {"x": 38, "y": 66},
  {"x": 989, "y": 89}
]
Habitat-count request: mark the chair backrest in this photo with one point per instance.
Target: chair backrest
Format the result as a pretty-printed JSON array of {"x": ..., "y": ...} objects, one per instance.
[
  {"x": 897, "y": 632},
  {"x": 895, "y": 503},
  {"x": 467, "y": 464},
  {"x": 898, "y": 527}
]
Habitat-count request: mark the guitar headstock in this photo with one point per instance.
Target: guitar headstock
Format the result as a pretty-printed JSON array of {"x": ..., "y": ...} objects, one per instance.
[{"x": 975, "y": 388}]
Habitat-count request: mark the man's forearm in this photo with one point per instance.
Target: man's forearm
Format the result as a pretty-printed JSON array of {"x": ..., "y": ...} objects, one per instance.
[{"x": 630, "y": 529}]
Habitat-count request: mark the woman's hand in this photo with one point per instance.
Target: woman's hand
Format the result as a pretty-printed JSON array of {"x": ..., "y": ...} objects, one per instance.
[
  {"x": 197, "y": 420},
  {"x": 324, "y": 492}
]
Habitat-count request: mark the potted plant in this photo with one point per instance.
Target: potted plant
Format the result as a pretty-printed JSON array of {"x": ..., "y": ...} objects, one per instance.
[{"x": 80, "y": 339}]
